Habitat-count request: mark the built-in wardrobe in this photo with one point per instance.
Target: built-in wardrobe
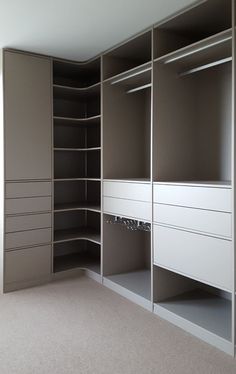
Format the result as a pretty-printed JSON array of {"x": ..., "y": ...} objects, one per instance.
[{"x": 123, "y": 167}]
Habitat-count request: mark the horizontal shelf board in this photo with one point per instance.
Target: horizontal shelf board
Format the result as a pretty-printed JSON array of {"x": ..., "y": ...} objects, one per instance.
[
  {"x": 76, "y": 206},
  {"x": 197, "y": 47},
  {"x": 214, "y": 184},
  {"x": 77, "y": 149},
  {"x": 138, "y": 282},
  {"x": 71, "y": 261},
  {"x": 203, "y": 309},
  {"x": 128, "y": 74},
  {"x": 76, "y": 179},
  {"x": 129, "y": 180},
  {"x": 73, "y": 92},
  {"x": 82, "y": 89},
  {"x": 61, "y": 236},
  {"x": 66, "y": 121}
]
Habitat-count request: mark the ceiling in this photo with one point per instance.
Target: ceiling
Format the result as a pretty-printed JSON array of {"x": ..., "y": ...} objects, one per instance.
[{"x": 78, "y": 29}]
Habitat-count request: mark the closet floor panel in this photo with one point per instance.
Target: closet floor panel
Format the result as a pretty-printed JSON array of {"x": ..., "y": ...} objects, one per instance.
[{"x": 71, "y": 261}]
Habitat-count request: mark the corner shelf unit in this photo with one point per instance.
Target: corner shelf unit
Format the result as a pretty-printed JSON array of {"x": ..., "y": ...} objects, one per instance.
[{"x": 77, "y": 160}]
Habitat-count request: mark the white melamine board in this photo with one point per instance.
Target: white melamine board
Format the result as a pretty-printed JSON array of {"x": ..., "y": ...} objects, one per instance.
[
  {"x": 200, "y": 257},
  {"x": 131, "y": 191},
  {"x": 219, "y": 199},
  {"x": 208, "y": 221},
  {"x": 28, "y": 205},
  {"x": 138, "y": 282},
  {"x": 28, "y": 189},
  {"x": 28, "y": 222},
  {"x": 28, "y": 264},
  {"x": 127, "y": 208},
  {"x": 209, "y": 311},
  {"x": 28, "y": 238}
]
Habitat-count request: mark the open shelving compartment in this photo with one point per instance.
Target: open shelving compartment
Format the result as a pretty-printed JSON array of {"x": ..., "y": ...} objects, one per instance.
[
  {"x": 127, "y": 125},
  {"x": 198, "y": 308},
  {"x": 192, "y": 114},
  {"x": 192, "y": 27},
  {"x": 127, "y": 262}
]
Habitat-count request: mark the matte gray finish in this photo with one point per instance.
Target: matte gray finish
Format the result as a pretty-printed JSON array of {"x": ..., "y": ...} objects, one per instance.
[
  {"x": 28, "y": 264},
  {"x": 28, "y": 238},
  {"x": 28, "y": 222},
  {"x": 28, "y": 113},
  {"x": 28, "y": 189},
  {"x": 28, "y": 205}
]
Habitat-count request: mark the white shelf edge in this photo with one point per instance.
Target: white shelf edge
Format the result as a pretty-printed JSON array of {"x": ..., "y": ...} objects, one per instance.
[
  {"x": 58, "y": 149},
  {"x": 77, "y": 89},
  {"x": 206, "y": 184}
]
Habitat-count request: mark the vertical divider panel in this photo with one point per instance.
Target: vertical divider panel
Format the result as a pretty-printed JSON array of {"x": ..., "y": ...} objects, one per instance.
[
  {"x": 151, "y": 167},
  {"x": 2, "y": 170},
  {"x": 52, "y": 174},
  {"x": 101, "y": 163}
]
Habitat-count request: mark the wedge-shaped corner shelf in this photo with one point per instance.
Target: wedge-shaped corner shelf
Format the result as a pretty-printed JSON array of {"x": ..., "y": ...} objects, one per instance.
[
  {"x": 71, "y": 92},
  {"x": 69, "y": 121},
  {"x": 64, "y": 207},
  {"x": 209, "y": 52},
  {"x": 76, "y": 260},
  {"x": 61, "y": 236},
  {"x": 77, "y": 149}
]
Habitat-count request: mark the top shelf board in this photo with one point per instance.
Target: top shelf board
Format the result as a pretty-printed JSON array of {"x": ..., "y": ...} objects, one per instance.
[
  {"x": 130, "y": 180},
  {"x": 214, "y": 184},
  {"x": 207, "y": 51}
]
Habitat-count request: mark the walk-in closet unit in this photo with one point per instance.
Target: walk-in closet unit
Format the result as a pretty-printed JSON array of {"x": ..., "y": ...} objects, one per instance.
[{"x": 123, "y": 167}]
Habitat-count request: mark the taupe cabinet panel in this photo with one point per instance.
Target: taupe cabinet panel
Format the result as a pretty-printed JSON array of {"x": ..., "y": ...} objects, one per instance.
[{"x": 28, "y": 109}]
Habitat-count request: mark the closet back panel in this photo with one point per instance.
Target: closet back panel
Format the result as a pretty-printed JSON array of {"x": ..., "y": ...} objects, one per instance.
[
  {"x": 76, "y": 192},
  {"x": 126, "y": 129},
  {"x": 76, "y": 108}
]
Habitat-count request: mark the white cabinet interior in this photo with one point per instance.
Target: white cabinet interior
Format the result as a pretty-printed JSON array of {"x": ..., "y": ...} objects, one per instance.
[{"x": 134, "y": 182}]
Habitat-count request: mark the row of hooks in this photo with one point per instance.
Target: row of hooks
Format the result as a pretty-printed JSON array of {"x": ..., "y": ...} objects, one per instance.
[{"x": 130, "y": 224}]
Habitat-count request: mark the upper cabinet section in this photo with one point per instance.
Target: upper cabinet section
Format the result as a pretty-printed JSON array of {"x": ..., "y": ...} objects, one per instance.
[
  {"x": 77, "y": 75},
  {"x": 28, "y": 117},
  {"x": 201, "y": 22},
  {"x": 134, "y": 53}
]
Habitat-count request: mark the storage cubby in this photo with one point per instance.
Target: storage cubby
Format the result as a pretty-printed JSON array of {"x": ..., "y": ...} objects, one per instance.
[
  {"x": 76, "y": 254},
  {"x": 76, "y": 164},
  {"x": 193, "y": 302},
  {"x": 127, "y": 258},
  {"x": 75, "y": 224},
  {"x": 200, "y": 22},
  {"x": 193, "y": 117},
  {"x": 128, "y": 56},
  {"x": 70, "y": 195},
  {"x": 74, "y": 74},
  {"x": 78, "y": 136},
  {"x": 127, "y": 127}
]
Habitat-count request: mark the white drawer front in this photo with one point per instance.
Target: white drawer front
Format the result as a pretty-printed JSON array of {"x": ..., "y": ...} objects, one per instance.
[
  {"x": 28, "y": 205},
  {"x": 219, "y": 199},
  {"x": 29, "y": 222},
  {"x": 28, "y": 264},
  {"x": 208, "y": 221},
  {"x": 128, "y": 208},
  {"x": 124, "y": 190},
  {"x": 28, "y": 238},
  {"x": 197, "y": 256},
  {"x": 28, "y": 189}
]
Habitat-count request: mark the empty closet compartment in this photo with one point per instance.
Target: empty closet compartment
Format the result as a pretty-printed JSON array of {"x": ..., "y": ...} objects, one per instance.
[
  {"x": 126, "y": 127},
  {"x": 76, "y": 224},
  {"x": 199, "y": 309},
  {"x": 76, "y": 103},
  {"x": 135, "y": 52},
  {"x": 193, "y": 117},
  {"x": 79, "y": 75},
  {"x": 126, "y": 257},
  {"x": 77, "y": 135},
  {"x": 76, "y": 164},
  {"x": 69, "y": 195},
  {"x": 192, "y": 26},
  {"x": 76, "y": 254}
]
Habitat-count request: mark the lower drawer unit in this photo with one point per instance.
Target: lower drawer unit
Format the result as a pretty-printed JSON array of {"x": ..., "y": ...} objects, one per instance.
[
  {"x": 128, "y": 208},
  {"x": 29, "y": 222},
  {"x": 127, "y": 190},
  {"x": 28, "y": 238},
  {"x": 28, "y": 189},
  {"x": 28, "y": 205},
  {"x": 200, "y": 257},
  {"x": 208, "y": 221},
  {"x": 28, "y": 264}
]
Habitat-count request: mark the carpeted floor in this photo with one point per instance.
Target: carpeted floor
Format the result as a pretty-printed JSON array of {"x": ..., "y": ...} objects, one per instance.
[{"x": 77, "y": 326}]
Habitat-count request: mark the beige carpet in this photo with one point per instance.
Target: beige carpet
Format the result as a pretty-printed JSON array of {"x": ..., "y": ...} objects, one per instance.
[{"x": 77, "y": 326}]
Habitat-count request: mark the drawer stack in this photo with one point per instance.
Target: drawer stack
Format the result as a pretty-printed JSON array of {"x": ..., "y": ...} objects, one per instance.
[
  {"x": 127, "y": 199},
  {"x": 28, "y": 232},
  {"x": 193, "y": 231}
]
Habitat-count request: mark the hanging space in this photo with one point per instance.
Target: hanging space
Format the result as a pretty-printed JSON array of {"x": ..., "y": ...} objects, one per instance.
[{"x": 77, "y": 160}]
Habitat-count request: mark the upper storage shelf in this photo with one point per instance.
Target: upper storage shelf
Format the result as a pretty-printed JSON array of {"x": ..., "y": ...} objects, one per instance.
[
  {"x": 79, "y": 75},
  {"x": 192, "y": 26},
  {"x": 128, "y": 56}
]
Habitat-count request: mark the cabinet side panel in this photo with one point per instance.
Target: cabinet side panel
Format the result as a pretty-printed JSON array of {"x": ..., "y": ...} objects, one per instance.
[
  {"x": 1, "y": 175},
  {"x": 27, "y": 90}
]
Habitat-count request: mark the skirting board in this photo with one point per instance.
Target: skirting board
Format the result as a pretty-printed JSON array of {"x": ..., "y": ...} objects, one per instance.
[
  {"x": 141, "y": 301},
  {"x": 195, "y": 330}
]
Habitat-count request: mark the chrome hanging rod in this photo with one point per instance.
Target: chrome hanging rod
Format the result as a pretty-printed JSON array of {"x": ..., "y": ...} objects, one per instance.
[{"x": 206, "y": 66}]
